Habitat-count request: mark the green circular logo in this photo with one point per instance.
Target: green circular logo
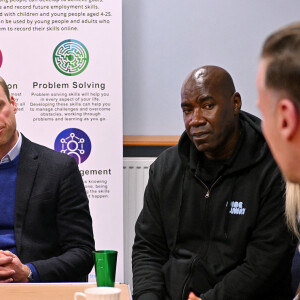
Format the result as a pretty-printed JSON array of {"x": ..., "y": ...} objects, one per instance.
[{"x": 70, "y": 57}]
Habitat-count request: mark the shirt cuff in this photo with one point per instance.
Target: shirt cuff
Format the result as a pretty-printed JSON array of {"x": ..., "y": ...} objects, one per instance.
[{"x": 35, "y": 274}]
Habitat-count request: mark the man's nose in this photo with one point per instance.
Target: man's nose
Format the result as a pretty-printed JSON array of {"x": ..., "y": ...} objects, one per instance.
[{"x": 197, "y": 118}]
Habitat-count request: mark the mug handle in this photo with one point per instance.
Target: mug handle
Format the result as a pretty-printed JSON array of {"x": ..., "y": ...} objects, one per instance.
[{"x": 79, "y": 294}]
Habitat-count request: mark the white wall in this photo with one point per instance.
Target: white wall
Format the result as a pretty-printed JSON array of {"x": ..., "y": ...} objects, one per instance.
[{"x": 164, "y": 40}]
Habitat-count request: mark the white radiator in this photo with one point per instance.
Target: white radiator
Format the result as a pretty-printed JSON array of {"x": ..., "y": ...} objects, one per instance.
[{"x": 135, "y": 178}]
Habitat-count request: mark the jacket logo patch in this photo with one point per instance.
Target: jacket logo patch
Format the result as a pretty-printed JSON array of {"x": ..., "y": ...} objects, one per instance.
[{"x": 237, "y": 208}]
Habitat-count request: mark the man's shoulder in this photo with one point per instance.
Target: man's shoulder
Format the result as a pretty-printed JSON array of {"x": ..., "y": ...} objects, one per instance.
[
  {"x": 168, "y": 163},
  {"x": 175, "y": 158},
  {"x": 169, "y": 156},
  {"x": 44, "y": 153}
]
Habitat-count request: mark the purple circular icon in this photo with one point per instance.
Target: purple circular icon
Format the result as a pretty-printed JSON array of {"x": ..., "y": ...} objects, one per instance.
[
  {"x": 75, "y": 143},
  {"x": 1, "y": 58}
]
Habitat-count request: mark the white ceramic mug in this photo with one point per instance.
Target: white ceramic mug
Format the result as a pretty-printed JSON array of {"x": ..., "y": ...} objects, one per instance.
[{"x": 99, "y": 293}]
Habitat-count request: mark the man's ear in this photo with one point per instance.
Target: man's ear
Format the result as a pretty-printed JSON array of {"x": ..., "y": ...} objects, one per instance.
[
  {"x": 237, "y": 102},
  {"x": 13, "y": 103},
  {"x": 287, "y": 118}
]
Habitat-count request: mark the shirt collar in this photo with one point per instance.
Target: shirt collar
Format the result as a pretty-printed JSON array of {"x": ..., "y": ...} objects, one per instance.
[{"x": 14, "y": 151}]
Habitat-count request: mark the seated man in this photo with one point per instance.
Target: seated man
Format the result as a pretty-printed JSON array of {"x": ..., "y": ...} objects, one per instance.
[
  {"x": 45, "y": 223},
  {"x": 279, "y": 101},
  {"x": 213, "y": 221}
]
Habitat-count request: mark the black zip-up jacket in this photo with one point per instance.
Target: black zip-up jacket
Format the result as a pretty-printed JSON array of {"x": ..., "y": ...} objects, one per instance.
[{"x": 244, "y": 250}]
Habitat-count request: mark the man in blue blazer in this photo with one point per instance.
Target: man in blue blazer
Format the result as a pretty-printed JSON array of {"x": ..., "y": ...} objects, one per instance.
[{"x": 45, "y": 224}]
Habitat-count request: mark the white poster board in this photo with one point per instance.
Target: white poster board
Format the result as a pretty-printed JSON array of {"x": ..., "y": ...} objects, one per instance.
[{"x": 62, "y": 60}]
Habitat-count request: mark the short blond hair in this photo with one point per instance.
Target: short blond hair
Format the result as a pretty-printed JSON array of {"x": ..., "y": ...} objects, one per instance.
[
  {"x": 292, "y": 205},
  {"x": 282, "y": 50}
]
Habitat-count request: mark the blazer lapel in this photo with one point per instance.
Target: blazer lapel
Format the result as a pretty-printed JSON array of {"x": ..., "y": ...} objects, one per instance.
[{"x": 27, "y": 169}]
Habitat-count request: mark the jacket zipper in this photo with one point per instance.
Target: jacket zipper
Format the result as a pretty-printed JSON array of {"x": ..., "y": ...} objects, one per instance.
[
  {"x": 188, "y": 277},
  {"x": 193, "y": 262},
  {"x": 208, "y": 190},
  {"x": 207, "y": 195}
]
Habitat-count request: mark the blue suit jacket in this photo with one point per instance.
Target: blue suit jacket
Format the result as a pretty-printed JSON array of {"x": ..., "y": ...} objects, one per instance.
[{"x": 53, "y": 226}]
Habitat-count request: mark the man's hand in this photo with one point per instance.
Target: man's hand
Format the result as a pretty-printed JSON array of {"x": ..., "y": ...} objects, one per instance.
[
  {"x": 192, "y": 296},
  {"x": 11, "y": 268},
  {"x": 6, "y": 273}
]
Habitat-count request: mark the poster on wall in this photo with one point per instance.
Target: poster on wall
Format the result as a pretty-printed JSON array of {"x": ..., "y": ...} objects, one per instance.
[{"x": 62, "y": 60}]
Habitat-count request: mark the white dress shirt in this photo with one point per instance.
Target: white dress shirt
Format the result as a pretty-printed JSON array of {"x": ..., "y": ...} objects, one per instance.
[{"x": 13, "y": 152}]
